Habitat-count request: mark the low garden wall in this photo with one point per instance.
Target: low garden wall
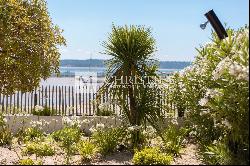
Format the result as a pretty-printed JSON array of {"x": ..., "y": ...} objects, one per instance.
[{"x": 53, "y": 123}]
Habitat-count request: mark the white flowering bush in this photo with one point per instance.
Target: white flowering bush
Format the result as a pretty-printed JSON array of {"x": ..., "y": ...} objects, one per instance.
[
  {"x": 214, "y": 93},
  {"x": 73, "y": 122},
  {"x": 43, "y": 111}
]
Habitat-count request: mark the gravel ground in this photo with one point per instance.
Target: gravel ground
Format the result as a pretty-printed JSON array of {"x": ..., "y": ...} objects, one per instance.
[{"x": 188, "y": 157}]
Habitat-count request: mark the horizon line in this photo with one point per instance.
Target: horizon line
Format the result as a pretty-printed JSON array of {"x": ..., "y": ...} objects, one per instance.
[{"x": 108, "y": 59}]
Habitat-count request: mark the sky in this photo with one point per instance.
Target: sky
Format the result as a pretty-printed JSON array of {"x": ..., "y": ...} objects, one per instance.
[{"x": 175, "y": 24}]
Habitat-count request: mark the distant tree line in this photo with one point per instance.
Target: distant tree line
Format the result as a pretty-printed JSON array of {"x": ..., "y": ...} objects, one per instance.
[{"x": 100, "y": 63}]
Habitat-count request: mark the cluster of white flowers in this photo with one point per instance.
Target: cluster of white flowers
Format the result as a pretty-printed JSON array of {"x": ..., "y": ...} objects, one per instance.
[
  {"x": 134, "y": 128},
  {"x": 239, "y": 71},
  {"x": 204, "y": 112},
  {"x": 203, "y": 101},
  {"x": 66, "y": 120},
  {"x": 221, "y": 67},
  {"x": 100, "y": 126},
  {"x": 227, "y": 124},
  {"x": 4, "y": 120},
  {"x": 38, "y": 108},
  {"x": 97, "y": 127},
  {"x": 93, "y": 129},
  {"x": 39, "y": 124},
  {"x": 211, "y": 93},
  {"x": 86, "y": 121},
  {"x": 149, "y": 131},
  {"x": 74, "y": 121}
]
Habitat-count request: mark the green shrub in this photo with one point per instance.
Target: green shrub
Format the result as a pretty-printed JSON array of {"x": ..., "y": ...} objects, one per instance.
[
  {"x": 68, "y": 138},
  {"x": 216, "y": 154},
  {"x": 39, "y": 149},
  {"x": 104, "y": 110},
  {"x": 5, "y": 137},
  {"x": 105, "y": 113},
  {"x": 5, "y": 134},
  {"x": 43, "y": 111},
  {"x": 26, "y": 162},
  {"x": 67, "y": 135},
  {"x": 173, "y": 138},
  {"x": 29, "y": 134},
  {"x": 29, "y": 161},
  {"x": 87, "y": 150},
  {"x": 107, "y": 139},
  {"x": 151, "y": 156}
]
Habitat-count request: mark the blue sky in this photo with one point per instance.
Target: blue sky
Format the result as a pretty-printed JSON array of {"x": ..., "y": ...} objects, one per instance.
[{"x": 175, "y": 23}]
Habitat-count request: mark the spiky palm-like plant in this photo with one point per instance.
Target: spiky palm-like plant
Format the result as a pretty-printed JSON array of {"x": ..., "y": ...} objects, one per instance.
[{"x": 130, "y": 73}]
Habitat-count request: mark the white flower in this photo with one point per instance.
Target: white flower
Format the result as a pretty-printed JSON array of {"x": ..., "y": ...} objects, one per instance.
[
  {"x": 100, "y": 126},
  {"x": 92, "y": 129},
  {"x": 203, "y": 101},
  {"x": 134, "y": 128},
  {"x": 204, "y": 112},
  {"x": 221, "y": 67},
  {"x": 5, "y": 120},
  {"x": 38, "y": 108},
  {"x": 66, "y": 120},
  {"x": 227, "y": 124},
  {"x": 85, "y": 121}
]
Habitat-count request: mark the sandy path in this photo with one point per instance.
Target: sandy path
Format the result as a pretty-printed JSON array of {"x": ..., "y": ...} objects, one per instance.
[{"x": 188, "y": 156}]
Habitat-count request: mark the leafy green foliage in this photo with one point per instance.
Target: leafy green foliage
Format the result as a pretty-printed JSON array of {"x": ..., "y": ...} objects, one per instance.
[
  {"x": 87, "y": 150},
  {"x": 5, "y": 134},
  {"x": 104, "y": 110},
  {"x": 107, "y": 139},
  {"x": 26, "y": 162},
  {"x": 29, "y": 134},
  {"x": 216, "y": 154},
  {"x": 131, "y": 48},
  {"x": 38, "y": 148},
  {"x": 151, "y": 156},
  {"x": 68, "y": 137},
  {"x": 173, "y": 138},
  {"x": 28, "y": 45}
]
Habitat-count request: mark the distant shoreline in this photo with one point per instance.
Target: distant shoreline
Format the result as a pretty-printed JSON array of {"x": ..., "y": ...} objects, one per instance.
[{"x": 100, "y": 63}]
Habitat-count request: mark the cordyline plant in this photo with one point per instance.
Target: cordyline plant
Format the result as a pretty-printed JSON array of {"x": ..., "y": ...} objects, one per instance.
[
  {"x": 28, "y": 45},
  {"x": 129, "y": 76}
]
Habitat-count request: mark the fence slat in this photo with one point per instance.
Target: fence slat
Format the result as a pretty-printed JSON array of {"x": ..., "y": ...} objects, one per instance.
[
  {"x": 49, "y": 98},
  {"x": 59, "y": 104},
  {"x": 80, "y": 100},
  {"x": 53, "y": 97},
  {"x": 14, "y": 104},
  {"x": 56, "y": 101},
  {"x": 6, "y": 100},
  {"x": 63, "y": 110},
  {"x": 72, "y": 95}
]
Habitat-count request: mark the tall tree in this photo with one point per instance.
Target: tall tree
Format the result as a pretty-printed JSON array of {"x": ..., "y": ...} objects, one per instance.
[
  {"x": 130, "y": 72},
  {"x": 28, "y": 45}
]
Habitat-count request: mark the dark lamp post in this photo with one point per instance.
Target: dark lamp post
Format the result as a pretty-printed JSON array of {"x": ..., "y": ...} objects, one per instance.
[{"x": 216, "y": 24}]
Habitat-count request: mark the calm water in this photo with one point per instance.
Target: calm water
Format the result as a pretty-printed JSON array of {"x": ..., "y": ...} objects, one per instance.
[
  {"x": 68, "y": 73},
  {"x": 71, "y": 70}
]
